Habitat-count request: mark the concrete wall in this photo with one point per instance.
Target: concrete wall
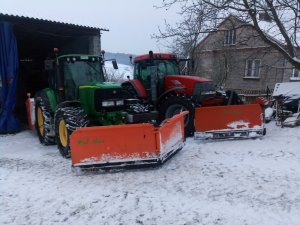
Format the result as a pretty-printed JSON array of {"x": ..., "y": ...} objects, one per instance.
[{"x": 82, "y": 45}]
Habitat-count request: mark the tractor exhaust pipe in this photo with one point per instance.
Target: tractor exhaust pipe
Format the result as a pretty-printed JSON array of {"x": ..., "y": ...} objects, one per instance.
[
  {"x": 153, "y": 79},
  {"x": 60, "y": 81}
]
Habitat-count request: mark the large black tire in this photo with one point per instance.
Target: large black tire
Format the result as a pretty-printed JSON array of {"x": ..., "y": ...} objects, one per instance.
[
  {"x": 233, "y": 98},
  {"x": 44, "y": 119},
  {"x": 176, "y": 104},
  {"x": 68, "y": 119}
]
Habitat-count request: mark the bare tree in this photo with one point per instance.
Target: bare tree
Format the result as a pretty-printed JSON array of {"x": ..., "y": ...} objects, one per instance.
[
  {"x": 185, "y": 35},
  {"x": 119, "y": 75},
  {"x": 201, "y": 16}
]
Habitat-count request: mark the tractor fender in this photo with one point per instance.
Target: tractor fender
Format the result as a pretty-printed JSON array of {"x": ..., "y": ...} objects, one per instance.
[
  {"x": 51, "y": 98},
  {"x": 169, "y": 91},
  {"x": 137, "y": 87}
]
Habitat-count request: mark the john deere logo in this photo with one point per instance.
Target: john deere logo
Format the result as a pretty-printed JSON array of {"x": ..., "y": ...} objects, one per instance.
[{"x": 87, "y": 141}]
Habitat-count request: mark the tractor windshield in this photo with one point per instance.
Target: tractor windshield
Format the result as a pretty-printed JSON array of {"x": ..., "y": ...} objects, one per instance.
[
  {"x": 164, "y": 67},
  {"x": 167, "y": 67},
  {"x": 142, "y": 70},
  {"x": 81, "y": 72},
  {"x": 78, "y": 72}
]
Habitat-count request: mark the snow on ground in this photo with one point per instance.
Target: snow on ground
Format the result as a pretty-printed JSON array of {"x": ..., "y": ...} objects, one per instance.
[{"x": 224, "y": 182}]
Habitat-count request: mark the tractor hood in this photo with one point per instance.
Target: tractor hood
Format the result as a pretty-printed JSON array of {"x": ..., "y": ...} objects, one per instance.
[
  {"x": 92, "y": 95},
  {"x": 102, "y": 85},
  {"x": 188, "y": 82}
]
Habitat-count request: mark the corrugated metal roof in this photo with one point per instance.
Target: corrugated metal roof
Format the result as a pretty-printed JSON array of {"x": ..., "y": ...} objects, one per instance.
[
  {"x": 10, "y": 17},
  {"x": 39, "y": 36}
]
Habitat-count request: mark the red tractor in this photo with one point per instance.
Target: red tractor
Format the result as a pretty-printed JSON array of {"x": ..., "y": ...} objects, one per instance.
[{"x": 158, "y": 83}]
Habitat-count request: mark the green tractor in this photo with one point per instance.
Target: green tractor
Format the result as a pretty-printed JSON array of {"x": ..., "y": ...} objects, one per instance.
[{"x": 77, "y": 96}]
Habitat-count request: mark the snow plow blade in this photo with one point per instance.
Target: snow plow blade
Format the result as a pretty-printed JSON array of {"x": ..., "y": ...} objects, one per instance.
[
  {"x": 229, "y": 122},
  {"x": 129, "y": 145}
]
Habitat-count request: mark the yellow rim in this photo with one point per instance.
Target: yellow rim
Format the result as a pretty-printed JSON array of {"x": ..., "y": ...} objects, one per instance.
[
  {"x": 63, "y": 134},
  {"x": 40, "y": 120}
]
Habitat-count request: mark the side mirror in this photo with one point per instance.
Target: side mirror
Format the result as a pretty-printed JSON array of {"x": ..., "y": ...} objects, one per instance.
[
  {"x": 48, "y": 64},
  {"x": 130, "y": 59},
  {"x": 115, "y": 65}
]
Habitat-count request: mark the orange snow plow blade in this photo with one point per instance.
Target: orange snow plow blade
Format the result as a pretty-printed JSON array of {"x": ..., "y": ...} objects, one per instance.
[
  {"x": 127, "y": 145},
  {"x": 230, "y": 121}
]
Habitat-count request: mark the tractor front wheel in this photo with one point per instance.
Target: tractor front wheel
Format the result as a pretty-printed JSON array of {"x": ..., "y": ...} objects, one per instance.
[
  {"x": 43, "y": 121},
  {"x": 175, "y": 105},
  {"x": 67, "y": 120}
]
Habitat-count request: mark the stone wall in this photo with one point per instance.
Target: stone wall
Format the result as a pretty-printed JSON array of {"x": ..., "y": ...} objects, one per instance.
[{"x": 226, "y": 64}]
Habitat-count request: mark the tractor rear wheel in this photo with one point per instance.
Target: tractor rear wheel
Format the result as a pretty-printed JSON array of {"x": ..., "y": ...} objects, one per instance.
[
  {"x": 43, "y": 119},
  {"x": 67, "y": 120},
  {"x": 175, "y": 105}
]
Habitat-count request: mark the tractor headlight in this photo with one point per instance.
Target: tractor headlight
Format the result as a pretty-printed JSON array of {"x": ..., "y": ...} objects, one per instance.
[
  {"x": 119, "y": 102},
  {"x": 208, "y": 92},
  {"x": 108, "y": 103}
]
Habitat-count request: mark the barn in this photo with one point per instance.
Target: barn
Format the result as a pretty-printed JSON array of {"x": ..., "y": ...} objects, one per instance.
[{"x": 31, "y": 41}]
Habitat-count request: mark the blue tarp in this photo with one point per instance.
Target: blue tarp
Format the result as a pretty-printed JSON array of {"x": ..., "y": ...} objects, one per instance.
[{"x": 9, "y": 66}]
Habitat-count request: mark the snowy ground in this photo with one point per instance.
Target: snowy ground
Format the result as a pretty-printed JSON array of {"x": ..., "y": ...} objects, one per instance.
[{"x": 226, "y": 182}]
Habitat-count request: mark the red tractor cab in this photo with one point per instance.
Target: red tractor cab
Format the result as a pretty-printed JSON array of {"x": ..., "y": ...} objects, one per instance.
[{"x": 157, "y": 81}]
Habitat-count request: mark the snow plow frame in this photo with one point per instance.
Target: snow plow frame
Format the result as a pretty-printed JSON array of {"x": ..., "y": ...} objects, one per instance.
[
  {"x": 127, "y": 146},
  {"x": 229, "y": 122}
]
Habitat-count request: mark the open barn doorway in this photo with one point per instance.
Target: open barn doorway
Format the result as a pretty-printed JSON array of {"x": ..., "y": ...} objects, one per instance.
[{"x": 36, "y": 39}]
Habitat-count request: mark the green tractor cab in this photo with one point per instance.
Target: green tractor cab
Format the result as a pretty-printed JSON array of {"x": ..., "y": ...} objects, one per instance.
[{"x": 77, "y": 96}]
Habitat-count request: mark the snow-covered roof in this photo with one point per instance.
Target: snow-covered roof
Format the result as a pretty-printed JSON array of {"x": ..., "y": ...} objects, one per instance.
[
  {"x": 268, "y": 27},
  {"x": 290, "y": 90},
  {"x": 271, "y": 28}
]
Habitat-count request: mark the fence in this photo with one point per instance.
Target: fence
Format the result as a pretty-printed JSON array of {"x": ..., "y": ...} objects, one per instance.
[{"x": 249, "y": 95}]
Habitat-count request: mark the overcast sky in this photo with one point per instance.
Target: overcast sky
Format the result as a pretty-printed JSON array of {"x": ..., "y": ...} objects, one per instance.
[{"x": 131, "y": 22}]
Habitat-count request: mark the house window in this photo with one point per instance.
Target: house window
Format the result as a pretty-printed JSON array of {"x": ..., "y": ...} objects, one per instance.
[
  {"x": 295, "y": 74},
  {"x": 252, "y": 68},
  {"x": 230, "y": 37}
]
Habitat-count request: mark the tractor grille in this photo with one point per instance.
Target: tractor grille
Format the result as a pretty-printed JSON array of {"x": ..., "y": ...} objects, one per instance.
[
  {"x": 113, "y": 94},
  {"x": 204, "y": 87},
  {"x": 204, "y": 90}
]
